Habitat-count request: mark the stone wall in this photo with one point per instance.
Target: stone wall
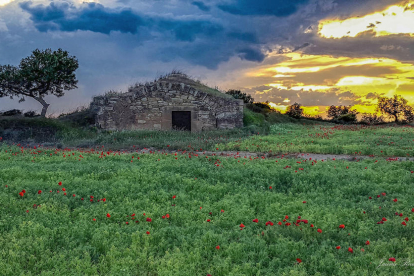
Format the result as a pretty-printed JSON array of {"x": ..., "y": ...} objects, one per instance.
[{"x": 150, "y": 106}]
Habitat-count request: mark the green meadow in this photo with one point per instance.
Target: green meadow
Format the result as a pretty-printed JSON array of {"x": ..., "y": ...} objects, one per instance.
[{"x": 109, "y": 215}]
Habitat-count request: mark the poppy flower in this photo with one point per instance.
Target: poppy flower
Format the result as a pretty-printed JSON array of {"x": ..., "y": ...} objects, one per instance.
[
  {"x": 149, "y": 219},
  {"x": 391, "y": 259},
  {"x": 286, "y": 217},
  {"x": 256, "y": 220},
  {"x": 127, "y": 223},
  {"x": 222, "y": 210},
  {"x": 73, "y": 195},
  {"x": 370, "y": 197},
  {"x": 350, "y": 250},
  {"x": 384, "y": 219},
  {"x": 412, "y": 210},
  {"x": 403, "y": 223},
  {"x": 143, "y": 214},
  {"x": 24, "y": 191},
  {"x": 280, "y": 223},
  {"x": 163, "y": 217},
  {"x": 362, "y": 250},
  {"x": 60, "y": 183},
  {"x": 383, "y": 194},
  {"x": 108, "y": 215},
  {"x": 174, "y": 196},
  {"x": 395, "y": 200},
  {"x": 218, "y": 247},
  {"x": 241, "y": 225},
  {"x": 338, "y": 247},
  {"x": 148, "y": 232},
  {"x": 21, "y": 194},
  {"x": 304, "y": 202},
  {"x": 367, "y": 242},
  {"x": 298, "y": 260},
  {"x": 311, "y": 225},
  {"x": 287, "y": 224},
  {"x": 319, "y": 230},
  {"x": 94, "y": 219},
  {"x": 63, "y": 189},
  {"x": 378, "y": 196},
  {"x": 208, "y": 220},
  {"x": 270, "y": 187},
  {"x": 380, "y": 222},
  {"x": 342, "y": 226},
  {"x": 400, "y": 214},
  {"x": 305, "y": 221},
  {"x": 269, "y": 223},
  {"x": 406, "y": 219},
  {"x": 39, "y": 192}
]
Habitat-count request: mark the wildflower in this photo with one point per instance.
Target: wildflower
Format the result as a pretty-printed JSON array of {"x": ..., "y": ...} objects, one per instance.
[
  {"x": 60, "y": 183},
  {"x": 256, "y": 220},
  {"x": 391, "y": 259},
  {"x": 342, "y": 226},
  {"x": 350, "y": 250},
  {"x": 298, "y": 260},
  {"x": 208, "y": 220},
  {"x": 286, "y": 217},
  {"x": 222, "y": 210},
  {"x": 319, "y": 230},
  {"x": 403, "y": 223},
  {"x": 149, "y": 219},
  {"x": 127, "y": 223},
  {"x": 362, "y": 250},
  {"x": 384, "y": 219},
  {"x": 73, "y": 195},
  {"x": 163, "y": 217},
  {"x": 383, "y": 194},
  {"x": 338, "y": 247},
  {"x": 311, "y": 225},
  {"x": 269, "y": 223},
  {"x": 39, "y": 192},
  {"x": 21, "y": 194},
  {"x": 174, "y": 196},
  {"x": 287, "y": 224},
  {"x": 104, "y": 199},
  {"x": 148, "y": 232},
  {"x": 63, "y": 189},
  {"x": 395, "y": 200},
  {"x": 218, "y": 247},
  {"x": 241, "y": 225},
  {"x": 24, "y": 191},
  {"x": 279, "y": 223},
  {"x": 400, "y": 214},
  {"x": 367, "y": 242},
  {"x": 406, "y": 219},
  {"x": 108, "y": 215},
  {"x": 167, "y": 215},
  {"x": 270, "y": 187},
  {"x": 304, "y": 202},
  {"x": 94, "y": 219}
]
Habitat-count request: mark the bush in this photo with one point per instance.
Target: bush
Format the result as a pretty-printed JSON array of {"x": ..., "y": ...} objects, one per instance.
[
  {"x": 295, "y": 111},
  {"x": 348, "y": 118},
  {"x": 31, "y": 114},
  {"x": 12, "y": 112},
  {"x": 372, "y": 119}
]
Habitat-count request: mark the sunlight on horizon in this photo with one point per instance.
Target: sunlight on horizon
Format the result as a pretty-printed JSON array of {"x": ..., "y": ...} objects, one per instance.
[
  {"x": 393, "y": 20},
  {"x": 5, "y": 2}
]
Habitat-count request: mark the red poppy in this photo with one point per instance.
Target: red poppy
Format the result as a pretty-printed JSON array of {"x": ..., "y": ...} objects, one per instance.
[
  {"x": 167, "y": 215},
  {"x": 218, "y": 247},
  {"x": 403, "y": 223},
  {"x": 305, "y": 221},
  {"x": 298, "y": 260},
  {"x": 338, "y": 247},
  {"x": 60, "y": 183},
  {"x": 380, "y": 222},
  {"x": 287, "y": 224},
  {"x": 362, "y": 250},
  {"x": 391, "y": 259},
  {"x": 370, "y": 197},
  {"x": 280, "y": 223},
  {"x": 269, "y": 223},
  {"x": 256, "y": 220},
  {"x": 21, "y": 194},
  {"x": 108, "y": 215},
  {"x": 384, "y": 219},
  {"x": 286, "y": 217},
  {"x": 406, "y": 219},
  {"x": 73, "y": 195},
  {"x": 222, "y": 210},
  {"x": 383, "y": 194},
  {"x": 400, "y": 214},
  {"x": 378, "y": 196},
  {"x": 412, "y": 210},
  {"x": 174, "y": 196},
  {"x": 270, "y": 187},
  {"x": 39, "y": 192},
  {"x": 241, "y": 225},
  {"x": 148, "y": 232},
  {"x": 94, "y": 219},
  {"x": 319, "y": 231},
  {"x": 208, "y": 220},
  {"x": 143, "y": 214},
  {"x": 311, "y": 225},
  {"x": 367, "y": 242},
  {"x": 63, "y": 189},
  {"x": 127, "y": 223},
  {"x": 304, "y": 202},
  {"x": 163, "y": 217},
  {"x": 24, "y": 191},
  {"x": 149, "y": 219},
  {"x": 342, "y": 226},
  {"x": 350, "y": 250}
]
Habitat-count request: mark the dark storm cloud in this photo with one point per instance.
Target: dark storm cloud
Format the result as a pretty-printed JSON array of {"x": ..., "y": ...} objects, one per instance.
[
  {"x": 188, "y": 30},
  {"x": 251, "y": 54},
  {"x": 244, "y": 36},
  {"x": 91, "y": 17},
  {"x": 280, "y": 8},
  {"x": 201, "y": 5}
]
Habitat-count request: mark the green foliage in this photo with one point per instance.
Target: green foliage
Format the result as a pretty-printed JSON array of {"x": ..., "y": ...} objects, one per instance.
[
  {"x": 347, "y": 118},
  {"x": 42, "y": 73},
  {"x": 340, "y": 113},
  {"x": 237, "y": 94},
  {"x": 61, "y": 238},
  {"x": 372, "y": 119},
  {"x": 295, "y": 111},
  {"x": 396, "y": 107}
]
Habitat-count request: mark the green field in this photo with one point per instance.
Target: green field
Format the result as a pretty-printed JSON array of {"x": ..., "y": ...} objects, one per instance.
[
  {"x": 55, "y": 234},
  {"x": 334, "y": 139}
]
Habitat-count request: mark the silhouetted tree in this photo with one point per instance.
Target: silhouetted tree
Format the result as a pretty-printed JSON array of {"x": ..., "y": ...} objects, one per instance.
[
  {"x": 396, "y": 107},
  {"x": 335, "y": 112},
  {"x": 295, "y": 111},
  {"x": 237, "y": 94},
  {"x": 42, "y": 73}
]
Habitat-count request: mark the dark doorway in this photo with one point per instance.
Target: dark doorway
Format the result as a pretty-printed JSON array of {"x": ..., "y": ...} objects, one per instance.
[{"x": 181, "y": 120}]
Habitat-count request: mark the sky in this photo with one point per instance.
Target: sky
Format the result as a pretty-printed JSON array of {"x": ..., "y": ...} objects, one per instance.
[{"x": 314, "y": 52}]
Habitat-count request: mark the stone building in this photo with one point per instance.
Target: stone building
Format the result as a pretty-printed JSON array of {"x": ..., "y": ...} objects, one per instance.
[{"x": 171, "y": 102}]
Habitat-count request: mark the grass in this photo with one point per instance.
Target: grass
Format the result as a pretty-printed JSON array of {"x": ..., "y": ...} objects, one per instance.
[
  {"x": 329, "y": 138},
  {"x": 59, "y": 237}
]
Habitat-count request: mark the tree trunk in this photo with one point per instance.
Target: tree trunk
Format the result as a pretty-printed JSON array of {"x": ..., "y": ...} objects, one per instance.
[
  {"x": 396, "y": 118},
  {"x": 44, "y": 104}
]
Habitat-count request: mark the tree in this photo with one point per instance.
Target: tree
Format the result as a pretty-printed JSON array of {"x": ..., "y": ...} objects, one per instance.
[
  {"x": 336, "y": 112},
  {"x": 295, "y": 111},
  {"x": 396, "y": 107},
  {"x": 237, "y": 94},
  {"x": 42, "y": 73}
]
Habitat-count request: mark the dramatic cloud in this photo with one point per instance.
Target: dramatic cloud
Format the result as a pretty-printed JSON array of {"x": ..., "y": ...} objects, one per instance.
[
  {"x": 279, "y": 8},
  {"x": 201, "y": 5}
]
